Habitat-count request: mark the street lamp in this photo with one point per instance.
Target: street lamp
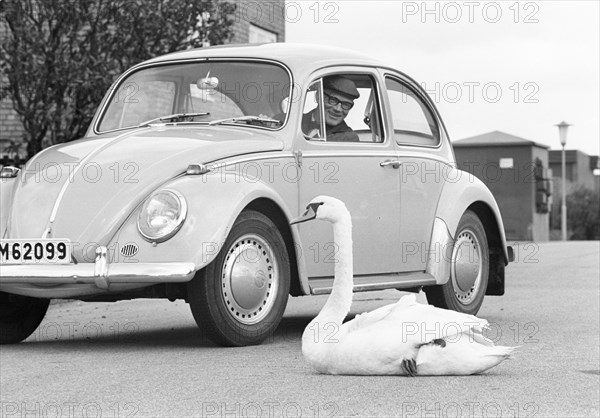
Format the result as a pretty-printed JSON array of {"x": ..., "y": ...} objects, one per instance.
[{"x": 562, "y": 133}]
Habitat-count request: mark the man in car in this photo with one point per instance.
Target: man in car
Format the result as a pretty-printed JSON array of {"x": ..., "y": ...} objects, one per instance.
[{"x": 339, "y": 94}]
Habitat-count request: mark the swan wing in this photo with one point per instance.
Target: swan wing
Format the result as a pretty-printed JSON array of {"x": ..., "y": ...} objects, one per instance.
[
  {"x": 420, "y": 323},
  {"x": 367, "y": 319},
  {"x": 378, "y": 349},
  {"x": 423, "y": 324}
]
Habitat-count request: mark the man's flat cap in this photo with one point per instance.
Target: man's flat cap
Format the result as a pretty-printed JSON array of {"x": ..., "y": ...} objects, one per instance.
[{"x": 341, "y": 85}]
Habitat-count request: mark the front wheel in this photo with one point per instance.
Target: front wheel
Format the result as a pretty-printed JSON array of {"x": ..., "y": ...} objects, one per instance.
[
  {"x": 20, "y": 316},
  {"x": 469, "y": 269},
  {"x": 240, "y": 297}
]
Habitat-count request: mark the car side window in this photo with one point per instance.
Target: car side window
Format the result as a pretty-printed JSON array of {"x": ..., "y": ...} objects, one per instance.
[
  {"x": 413, "y": 121},
  {"x": 312, "y": 126},
  {"x": 349, "y": 107}
]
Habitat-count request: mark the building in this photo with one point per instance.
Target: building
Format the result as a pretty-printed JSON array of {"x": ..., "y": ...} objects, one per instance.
[
  {"x": 259, "y": 22},
  {"x": 581, "y": 170},
  {"x": 516, "y": 170},
  {"x": 256, "y": 21}
]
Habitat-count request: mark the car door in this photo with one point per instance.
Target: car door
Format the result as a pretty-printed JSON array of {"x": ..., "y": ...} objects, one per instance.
[
  {"x": 424, "y": 168},
  {"x": 363, "y": 174}
]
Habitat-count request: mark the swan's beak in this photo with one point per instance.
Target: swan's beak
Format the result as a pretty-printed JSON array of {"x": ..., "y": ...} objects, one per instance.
[{"x": 311, "y": 213}]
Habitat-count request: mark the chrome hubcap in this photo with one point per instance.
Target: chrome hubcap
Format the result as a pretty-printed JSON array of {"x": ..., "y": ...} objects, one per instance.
[
  {"x": 249, "y": 279},
  {"x": 467, "y": 267}
]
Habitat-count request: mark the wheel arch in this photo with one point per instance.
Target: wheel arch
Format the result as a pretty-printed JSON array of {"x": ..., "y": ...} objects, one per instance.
[
  {"x": 490, "y": 223},
  {"x": 274, "y": 212},
  {"x": 469, "y": 193},
  {"x": 496, "y": 244}
]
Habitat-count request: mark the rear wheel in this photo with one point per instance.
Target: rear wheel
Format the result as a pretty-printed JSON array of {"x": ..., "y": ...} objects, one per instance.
[
  {"x": 20, "y": 316},
  {"x": 469, "y": 269},
  {"x": 240, "y": 297}
]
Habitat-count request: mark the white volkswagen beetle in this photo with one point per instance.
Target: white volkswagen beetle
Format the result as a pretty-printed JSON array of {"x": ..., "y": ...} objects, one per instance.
[{"x": 193, "y": 166}]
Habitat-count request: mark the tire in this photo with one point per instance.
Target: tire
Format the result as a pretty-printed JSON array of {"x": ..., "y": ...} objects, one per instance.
[
  {"x": 239, "y": 298},
  {"x": 20, "y": 316},
  {"x": 469, "y": 269}
]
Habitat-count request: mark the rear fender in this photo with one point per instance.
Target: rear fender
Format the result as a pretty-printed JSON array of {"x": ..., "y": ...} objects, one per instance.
[{"x": 461, "y": 192}]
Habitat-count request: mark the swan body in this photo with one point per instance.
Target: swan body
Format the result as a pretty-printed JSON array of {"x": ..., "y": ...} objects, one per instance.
[{"x": 404, "y": 338}]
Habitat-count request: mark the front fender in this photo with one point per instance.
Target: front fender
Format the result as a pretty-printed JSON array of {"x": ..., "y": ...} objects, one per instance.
[
  {"x": 7, "y": 187},
  {"x": 214, "y": 203}
]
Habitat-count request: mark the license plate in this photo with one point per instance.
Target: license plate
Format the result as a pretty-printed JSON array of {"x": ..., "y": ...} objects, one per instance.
[{"x": 43, "y": 251}]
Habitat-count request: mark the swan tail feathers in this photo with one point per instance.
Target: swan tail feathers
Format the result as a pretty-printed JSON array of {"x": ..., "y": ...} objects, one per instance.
[{"x": 460, "y": 359}]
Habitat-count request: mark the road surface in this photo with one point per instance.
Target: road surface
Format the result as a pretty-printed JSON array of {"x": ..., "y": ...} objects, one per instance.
[{"x": 146, "y": 358}]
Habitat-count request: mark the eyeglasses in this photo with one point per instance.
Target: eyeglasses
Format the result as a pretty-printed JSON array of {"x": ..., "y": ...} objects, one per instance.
[{"x": 333, "y": 101}]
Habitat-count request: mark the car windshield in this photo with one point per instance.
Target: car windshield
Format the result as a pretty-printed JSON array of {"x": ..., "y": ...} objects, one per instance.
[{"x": 244, "y": 93}]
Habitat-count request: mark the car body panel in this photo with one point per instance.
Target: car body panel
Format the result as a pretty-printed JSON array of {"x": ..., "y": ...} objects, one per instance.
[
  {"x": 419, "y": 196},
  {"x": 91, "y": 190},
  {"x": 461, "y": 191},
  {"x": 370, "y": 194},
  {"x": 214, "y": 200},
  {"x": 91, "y": 185}
]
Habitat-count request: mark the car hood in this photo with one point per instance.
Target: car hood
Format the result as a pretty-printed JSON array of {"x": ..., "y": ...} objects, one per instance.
[{"x": 84, "y": 190}]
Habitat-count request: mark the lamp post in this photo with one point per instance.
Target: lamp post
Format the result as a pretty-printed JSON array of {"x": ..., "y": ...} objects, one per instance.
[{"x": 562, "y": 133}]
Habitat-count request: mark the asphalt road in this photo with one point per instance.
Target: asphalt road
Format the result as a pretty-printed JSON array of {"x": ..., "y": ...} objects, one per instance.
[{"x": 146, "y": 358}]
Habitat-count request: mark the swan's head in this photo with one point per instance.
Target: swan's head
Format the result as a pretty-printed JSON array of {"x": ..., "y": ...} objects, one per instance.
[{"x": 325, "y": 208}]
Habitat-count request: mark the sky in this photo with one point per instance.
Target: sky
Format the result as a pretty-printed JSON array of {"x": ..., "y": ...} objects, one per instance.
[{"x": 517, "y": 67}]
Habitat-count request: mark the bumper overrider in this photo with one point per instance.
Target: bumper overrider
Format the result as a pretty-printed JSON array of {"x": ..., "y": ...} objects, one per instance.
[{"x": 101, "y": 273}]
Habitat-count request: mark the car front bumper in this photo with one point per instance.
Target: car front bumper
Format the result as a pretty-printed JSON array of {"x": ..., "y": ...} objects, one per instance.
[{"x": 101, "y": 273}]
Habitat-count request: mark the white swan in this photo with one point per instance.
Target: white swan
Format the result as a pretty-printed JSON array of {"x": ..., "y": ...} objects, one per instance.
[{"x": 405, "y": 338}]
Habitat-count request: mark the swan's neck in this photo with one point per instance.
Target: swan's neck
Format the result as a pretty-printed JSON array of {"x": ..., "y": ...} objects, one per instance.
[{"x": 338, "y": 304}]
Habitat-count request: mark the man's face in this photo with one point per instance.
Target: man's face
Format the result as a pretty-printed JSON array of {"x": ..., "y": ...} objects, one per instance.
[{"x": 335, "y": 114}]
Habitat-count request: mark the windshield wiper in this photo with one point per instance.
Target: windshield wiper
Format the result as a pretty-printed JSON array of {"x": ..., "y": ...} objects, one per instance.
[
  {"x": 173, "y": 118},
  {"x": 244, "y": 119}
]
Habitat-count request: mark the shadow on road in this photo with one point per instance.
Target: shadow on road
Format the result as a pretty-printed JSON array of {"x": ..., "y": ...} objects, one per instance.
[{"x": 290, "y": 330}]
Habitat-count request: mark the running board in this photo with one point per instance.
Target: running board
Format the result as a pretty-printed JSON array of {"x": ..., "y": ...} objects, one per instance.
[{"x": 364, "y": 283}]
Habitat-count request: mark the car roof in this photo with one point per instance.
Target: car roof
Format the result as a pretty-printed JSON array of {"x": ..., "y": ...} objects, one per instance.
[{"x": 298, "y": 57}]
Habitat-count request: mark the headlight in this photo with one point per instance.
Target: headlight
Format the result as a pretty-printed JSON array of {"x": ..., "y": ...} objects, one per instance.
[{"x": 162, "y": 215}]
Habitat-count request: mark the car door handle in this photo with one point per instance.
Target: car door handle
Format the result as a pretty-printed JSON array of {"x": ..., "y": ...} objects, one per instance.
[{"x": 393, "y": 163}]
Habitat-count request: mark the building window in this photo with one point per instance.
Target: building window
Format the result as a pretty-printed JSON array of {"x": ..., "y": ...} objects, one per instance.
[{"x": 258, "y": 35}]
